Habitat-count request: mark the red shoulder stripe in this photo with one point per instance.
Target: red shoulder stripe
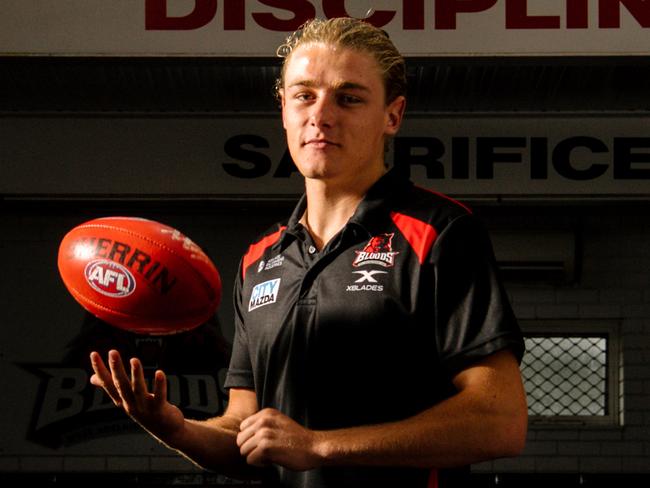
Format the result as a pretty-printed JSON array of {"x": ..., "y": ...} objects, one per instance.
[
  {"x": 452, "y": 200},
  {"x": 419, "y": 234},
  {"x": 255, "y": 251},
  {"x": 433, "y": 479}
]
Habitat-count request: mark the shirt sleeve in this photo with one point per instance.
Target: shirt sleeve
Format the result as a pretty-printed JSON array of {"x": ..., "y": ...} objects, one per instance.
[
  {"x": 240, "y": 371},
  {"x": 473, "y": 314}
]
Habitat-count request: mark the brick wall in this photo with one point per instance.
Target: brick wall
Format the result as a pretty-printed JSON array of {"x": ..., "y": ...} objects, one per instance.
[{"x": 614, "y": 284}]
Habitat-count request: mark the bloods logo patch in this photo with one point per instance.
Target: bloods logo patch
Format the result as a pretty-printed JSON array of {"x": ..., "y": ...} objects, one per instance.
[
  {"x": 264, "y": 294},
  {"x": 378, "y": 251}
]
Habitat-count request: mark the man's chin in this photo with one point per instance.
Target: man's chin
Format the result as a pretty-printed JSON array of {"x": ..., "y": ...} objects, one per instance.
[{"x": 317, "y": 170}]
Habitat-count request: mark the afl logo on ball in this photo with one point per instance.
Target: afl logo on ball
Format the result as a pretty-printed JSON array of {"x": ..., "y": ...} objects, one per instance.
[{"x": 110, "y": 278}]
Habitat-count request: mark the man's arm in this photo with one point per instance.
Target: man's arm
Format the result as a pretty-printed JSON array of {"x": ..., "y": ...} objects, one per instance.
[
  {"x": 486, "y": 419},
  {"x": 210, "y": 444}
]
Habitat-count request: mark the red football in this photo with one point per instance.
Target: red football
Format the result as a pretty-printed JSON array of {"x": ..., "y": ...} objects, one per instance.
[{"x": 139, "y": 275}]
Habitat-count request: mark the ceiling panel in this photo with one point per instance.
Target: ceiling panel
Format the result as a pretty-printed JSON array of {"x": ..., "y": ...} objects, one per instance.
[{"x": 202, "y": 85}]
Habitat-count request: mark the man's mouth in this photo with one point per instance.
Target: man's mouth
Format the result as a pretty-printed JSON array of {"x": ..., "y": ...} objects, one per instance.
[{"x": 320, "y": 143}]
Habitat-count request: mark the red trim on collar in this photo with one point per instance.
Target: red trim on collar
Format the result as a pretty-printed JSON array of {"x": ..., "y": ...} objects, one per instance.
[
  {"x": 419, "y": 234},
  {"x": 255, "y": 251},
  {"x": 433, "y": 479}
]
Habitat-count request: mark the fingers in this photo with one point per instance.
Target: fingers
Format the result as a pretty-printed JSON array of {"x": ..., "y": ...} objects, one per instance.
[
  {"x": 129, "y": 391},
  {"x": 265, "y": 415},
  {"x": 270, "y": 437},
  {"x": 244, "y": 436},
  {"x": 102, "y": 378},
  {"x": 123, "y": 390},
  {"x": 256, "y": 437},
  {"x": 248, "y": 427},
  {"x": 120, "y": 379},
  {"x": 160, "y": 387},
  {"x": 248, "y": 421},
  {"x": 258, "y": 449},
  {"x": 137, "y": 378}
]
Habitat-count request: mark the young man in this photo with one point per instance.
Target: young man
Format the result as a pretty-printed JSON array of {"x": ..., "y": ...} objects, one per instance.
[{"x": 374, "y": 343}]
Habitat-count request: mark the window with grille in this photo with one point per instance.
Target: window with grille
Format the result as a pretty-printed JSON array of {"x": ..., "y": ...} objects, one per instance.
[{"x": 570, "y": 371}]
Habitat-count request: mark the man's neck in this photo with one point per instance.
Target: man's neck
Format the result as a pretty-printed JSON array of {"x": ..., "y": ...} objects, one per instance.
[{"x": 330, "y": 206}]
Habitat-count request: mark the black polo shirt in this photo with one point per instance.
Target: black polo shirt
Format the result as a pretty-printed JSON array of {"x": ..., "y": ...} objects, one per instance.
[{"x": 373, "y": 327}]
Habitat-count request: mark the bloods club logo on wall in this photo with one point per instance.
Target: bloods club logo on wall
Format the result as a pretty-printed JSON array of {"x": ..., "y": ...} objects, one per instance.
[
  {"x": 68, "y": 410},
  {"x": 378, "y": 251}
]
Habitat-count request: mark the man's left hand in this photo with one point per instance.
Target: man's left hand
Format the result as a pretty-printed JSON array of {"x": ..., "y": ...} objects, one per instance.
[{"x": 270, "y": 437}]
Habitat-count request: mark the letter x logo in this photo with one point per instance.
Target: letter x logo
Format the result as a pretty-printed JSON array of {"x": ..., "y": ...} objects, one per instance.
[{"x": 368, "y": 275}]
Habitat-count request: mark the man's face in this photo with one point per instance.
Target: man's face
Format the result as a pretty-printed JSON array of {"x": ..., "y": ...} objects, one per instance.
[{"x": 334, "y": 113}]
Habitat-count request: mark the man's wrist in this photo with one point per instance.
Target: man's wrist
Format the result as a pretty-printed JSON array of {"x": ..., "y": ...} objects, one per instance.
[
  {"x": 324, "y": 449},
  {"x": 175, "y": 439}
]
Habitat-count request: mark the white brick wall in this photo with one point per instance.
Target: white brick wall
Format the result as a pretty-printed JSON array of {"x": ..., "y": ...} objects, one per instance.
[{"x": 615, "y": 284}]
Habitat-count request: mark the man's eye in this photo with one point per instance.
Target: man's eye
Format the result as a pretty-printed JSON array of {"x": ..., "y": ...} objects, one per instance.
[
  {"x": 303, "y": 97},
  {"x": 349, "y": 100}
]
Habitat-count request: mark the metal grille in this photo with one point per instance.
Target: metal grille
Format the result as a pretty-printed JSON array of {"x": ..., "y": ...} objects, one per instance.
[{"x": 566, "y": 376}]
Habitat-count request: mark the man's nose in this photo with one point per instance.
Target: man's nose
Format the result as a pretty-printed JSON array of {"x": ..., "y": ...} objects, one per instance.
[{"x": 323, "y": 112}]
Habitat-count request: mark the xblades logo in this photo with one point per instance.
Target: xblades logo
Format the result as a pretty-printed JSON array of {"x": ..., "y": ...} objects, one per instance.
[
  {"x": 368, "y": 280},
  {"x": 368, "y": 275}
]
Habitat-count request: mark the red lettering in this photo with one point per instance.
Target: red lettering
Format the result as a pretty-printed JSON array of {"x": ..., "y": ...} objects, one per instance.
[
  {"x": 413, "y": 14},
  {"x": 302, "y": 11},
  {"x": 336, "y": 8},
  {"x": 610, "y": 12},
  {"x": 234, "y": 14},
  {"x": 446, "y": 10},
  {"x": 102, "y": 247},
  {"x": 156, "y": 17},
  {"x": 517, "y": 17},
  {"x": 577, "y": 14},
  {"x": 413, "y": 17}
]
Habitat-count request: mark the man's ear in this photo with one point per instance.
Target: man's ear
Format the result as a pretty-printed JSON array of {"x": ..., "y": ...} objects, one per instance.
[
  {"x": 395, "y": 114},
  {"x": 282, "y": 102}
]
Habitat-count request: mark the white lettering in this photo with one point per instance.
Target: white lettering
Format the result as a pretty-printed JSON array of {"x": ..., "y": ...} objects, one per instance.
[
  {"x": 97, "y": 274},
  {"x": 109, "y": 277},
  {"x": 368, "y": 275},
  {"x": 385, "y": 259},
  {"x": 122, "y": 284},
  {"x": 365, "y": 288},
  {"x": 264, "y": 294}
]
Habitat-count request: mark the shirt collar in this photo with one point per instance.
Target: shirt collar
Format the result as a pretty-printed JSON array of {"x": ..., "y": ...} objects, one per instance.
[
  {"x": 369, "y": 215},
  {"x": 375, "y": 206},
  {"x": 293, "y": 228}
]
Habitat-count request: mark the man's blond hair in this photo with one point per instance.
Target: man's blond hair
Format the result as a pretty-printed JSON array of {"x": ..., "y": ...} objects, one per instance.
[{"x": 354, "y": 34}]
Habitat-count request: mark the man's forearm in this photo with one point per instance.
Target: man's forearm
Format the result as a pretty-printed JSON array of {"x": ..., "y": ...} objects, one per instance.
[
  {"x": 486, "y": 420},
  {"x": 211, "y": 444},
  {"x": 448, "y": 435}
]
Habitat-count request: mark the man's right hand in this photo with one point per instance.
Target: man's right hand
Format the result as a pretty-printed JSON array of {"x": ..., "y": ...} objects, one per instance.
[{"x": 150, "y": 409}]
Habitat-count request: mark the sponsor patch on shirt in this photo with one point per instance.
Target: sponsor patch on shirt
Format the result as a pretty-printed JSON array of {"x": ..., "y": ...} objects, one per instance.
[
  {"x": 379, "y": 251},
  {"x": 264, "y": 294},
  {"x": 271, "y": 263},
  {"x": 368, "y": 279}
]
